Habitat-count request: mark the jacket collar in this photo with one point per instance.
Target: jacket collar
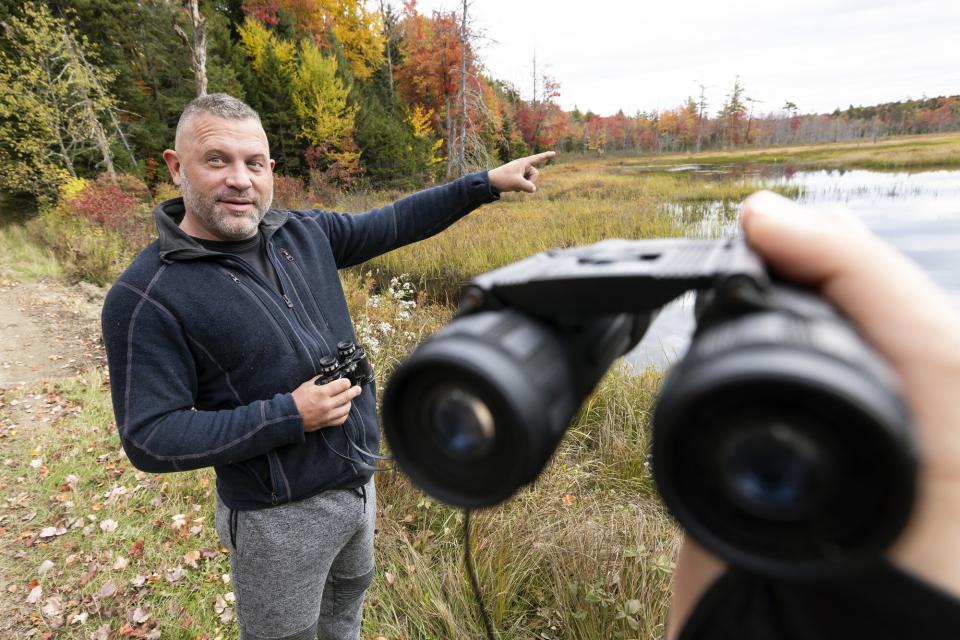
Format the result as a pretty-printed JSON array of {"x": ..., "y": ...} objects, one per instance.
[{"x": 176, "y": 245}]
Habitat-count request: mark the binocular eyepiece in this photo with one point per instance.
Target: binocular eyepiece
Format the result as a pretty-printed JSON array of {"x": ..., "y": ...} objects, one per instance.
[
  {"x": 350, "y": 362},
  {"x": 780, "y": 441}
]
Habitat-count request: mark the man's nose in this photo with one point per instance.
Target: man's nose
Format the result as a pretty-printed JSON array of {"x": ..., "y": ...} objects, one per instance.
[{"x": 238, "y": 177}]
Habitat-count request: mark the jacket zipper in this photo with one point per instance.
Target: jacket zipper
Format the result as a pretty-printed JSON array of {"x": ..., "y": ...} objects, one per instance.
[
  {"x": 263, "y": 308},
  {"x": 317, "y": 333},
  {"x": 303, "y": 281}
]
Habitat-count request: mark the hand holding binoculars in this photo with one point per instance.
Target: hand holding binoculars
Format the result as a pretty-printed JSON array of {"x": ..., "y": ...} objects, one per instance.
[
  {"x": 780, "y": 441},
  {"x": 350, "y": 362}
]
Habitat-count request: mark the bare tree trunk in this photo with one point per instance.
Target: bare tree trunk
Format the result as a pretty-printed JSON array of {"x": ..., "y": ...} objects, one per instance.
[
  {"x": 198, "y": 48},
  {"x": 101, "y": 140},
  {"x": 702, "y": 107},
  {"x": 450, "y": 133},
  {"x": 90, "y": 114},
  {"x": 462, "y": 152}
]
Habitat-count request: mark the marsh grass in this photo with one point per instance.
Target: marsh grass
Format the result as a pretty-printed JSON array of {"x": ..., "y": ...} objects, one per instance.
[
  {"x": 574, "y": 205},
  {"x": 935, "y": 151}
]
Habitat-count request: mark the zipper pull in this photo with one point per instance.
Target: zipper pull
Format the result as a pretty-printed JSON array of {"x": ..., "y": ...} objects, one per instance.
[
  {"x": 234, "y": 278},
  {"x": 286, "y": 254},
  {"x": 287, "y": 300},
  {"x": 273, "y": 498}
]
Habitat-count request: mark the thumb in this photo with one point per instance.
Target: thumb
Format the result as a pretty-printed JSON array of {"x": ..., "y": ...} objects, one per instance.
[{"x": 526, "y": 186}]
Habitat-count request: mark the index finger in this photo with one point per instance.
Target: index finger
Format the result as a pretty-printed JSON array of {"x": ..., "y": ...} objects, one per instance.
[
  {"x": 335, "y": 386},
  {"x": 540, "y": 158}
]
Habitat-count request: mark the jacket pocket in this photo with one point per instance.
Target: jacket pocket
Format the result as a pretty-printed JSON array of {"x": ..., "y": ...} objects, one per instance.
[{"x": 278, "y": 479}]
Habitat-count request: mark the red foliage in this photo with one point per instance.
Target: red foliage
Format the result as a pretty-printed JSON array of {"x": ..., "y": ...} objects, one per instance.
[
  {"x": 266, "y": 12},
  {"x": 105, "y": 204}
]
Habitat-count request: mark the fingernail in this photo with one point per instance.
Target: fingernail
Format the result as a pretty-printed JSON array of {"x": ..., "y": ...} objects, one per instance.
[{"x": 772, "y": 206}]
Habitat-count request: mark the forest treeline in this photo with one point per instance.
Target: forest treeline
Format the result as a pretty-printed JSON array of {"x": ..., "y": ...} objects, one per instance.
[{"x": 351, "y": 92}]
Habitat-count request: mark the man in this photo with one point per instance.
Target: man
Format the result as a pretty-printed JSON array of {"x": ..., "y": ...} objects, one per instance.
[{"x": 214, "y": 335}]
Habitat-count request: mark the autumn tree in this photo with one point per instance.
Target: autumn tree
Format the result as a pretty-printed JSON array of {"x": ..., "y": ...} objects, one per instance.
[
  {"x": 440, "y": 72},
  {"x": 347, "y": 24},
  {"x": 733, "y": 115},
  {"x": 303, "y": 103},
  {"x": 541, "y": 120},
  {"x": 56, "y": 115},
  {"x": 326, "y": 119}
]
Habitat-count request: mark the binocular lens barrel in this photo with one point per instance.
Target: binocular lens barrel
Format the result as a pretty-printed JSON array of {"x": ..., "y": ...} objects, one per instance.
[
  {"x": 478, "y": 409},
  {"x": 781, "y": 444}
]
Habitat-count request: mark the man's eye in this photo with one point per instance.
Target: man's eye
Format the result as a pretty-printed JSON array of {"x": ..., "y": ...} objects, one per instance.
[
  {"x": 216, "y": 161},
  {"x": 256, "y": 164}
]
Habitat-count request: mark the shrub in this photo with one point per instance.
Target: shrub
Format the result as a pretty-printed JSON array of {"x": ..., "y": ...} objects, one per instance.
[
  {"x": 104, "y": 203},
  {"x": 97, "y": 228},
  {"x": 165, "y": 191}
]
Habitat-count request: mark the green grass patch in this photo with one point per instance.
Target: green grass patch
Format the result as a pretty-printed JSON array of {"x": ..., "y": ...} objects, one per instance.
[
  {"x": 23, "y": 258},
  {"x": 100, "y": 542}
]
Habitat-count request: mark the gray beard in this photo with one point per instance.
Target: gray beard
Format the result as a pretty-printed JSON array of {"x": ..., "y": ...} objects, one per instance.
[{"x": 223, "y": 223}]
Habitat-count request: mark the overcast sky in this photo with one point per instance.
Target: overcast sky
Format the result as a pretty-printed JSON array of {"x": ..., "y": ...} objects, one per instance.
[{"x": 643, "y": 55}]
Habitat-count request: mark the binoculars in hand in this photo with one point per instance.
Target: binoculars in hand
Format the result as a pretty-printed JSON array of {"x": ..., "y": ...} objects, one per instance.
[{"x": 780, "y": 441}]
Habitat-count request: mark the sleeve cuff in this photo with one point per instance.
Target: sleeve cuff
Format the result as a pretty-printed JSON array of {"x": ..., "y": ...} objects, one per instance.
[
  {"x": 478, "y": 185},
  {"x": 292, "y": 428}
]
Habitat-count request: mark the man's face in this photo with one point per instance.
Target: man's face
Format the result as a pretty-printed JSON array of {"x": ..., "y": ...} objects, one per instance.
[{"x": 225, "y": 174}]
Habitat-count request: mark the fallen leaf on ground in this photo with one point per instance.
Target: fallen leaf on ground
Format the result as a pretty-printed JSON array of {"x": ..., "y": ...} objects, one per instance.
[
  {"x": 53, "y": 606},
  {"x": 102, "y": 633},
  {"x": 109, "y": 589},
  {"x": 191, "y": 557},
  {"x": 140, "y": 615}
]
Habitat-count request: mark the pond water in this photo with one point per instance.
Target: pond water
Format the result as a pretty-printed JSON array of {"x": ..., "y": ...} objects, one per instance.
[{"x": 919, "y": 213}]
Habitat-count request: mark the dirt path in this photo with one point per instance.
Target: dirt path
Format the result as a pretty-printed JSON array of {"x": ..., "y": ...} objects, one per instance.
[{"x": 48, "y": 331}]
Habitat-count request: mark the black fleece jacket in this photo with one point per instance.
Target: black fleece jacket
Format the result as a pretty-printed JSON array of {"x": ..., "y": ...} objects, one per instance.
[{"x": 204, "y": 353}]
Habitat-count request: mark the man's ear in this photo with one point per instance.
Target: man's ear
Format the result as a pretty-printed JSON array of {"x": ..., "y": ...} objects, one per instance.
[
  {"x": 173, "y": 164},
  {"x": 273, "y": 164}
]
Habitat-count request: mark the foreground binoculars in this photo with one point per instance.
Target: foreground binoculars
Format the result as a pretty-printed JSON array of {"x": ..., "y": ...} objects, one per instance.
[
  {"x": 780, "y": 441},
  {"x": 350, "y": 362}
]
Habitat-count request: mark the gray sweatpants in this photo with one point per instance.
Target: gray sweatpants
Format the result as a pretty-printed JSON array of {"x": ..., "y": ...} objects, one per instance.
[{"x": 299, "y": 570}]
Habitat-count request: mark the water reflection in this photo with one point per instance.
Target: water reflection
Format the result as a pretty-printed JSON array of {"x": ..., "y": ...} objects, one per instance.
[{"x": 919, "y": 213}]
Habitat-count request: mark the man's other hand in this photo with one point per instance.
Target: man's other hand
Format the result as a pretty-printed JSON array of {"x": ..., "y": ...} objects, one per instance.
[
  {"x": 325, "y": 405},
  {"x": 520, "y": 174}
]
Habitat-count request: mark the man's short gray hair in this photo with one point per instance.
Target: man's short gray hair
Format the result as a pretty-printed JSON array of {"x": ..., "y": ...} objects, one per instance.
[{"x": 217, "y": 104}]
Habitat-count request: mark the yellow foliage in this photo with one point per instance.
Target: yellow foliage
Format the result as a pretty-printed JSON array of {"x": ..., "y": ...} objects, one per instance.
[
  {"x": 320, "y": 97},
  {"x": 70, "y": 187},
  {"x": 361, "y": 33},
  {"x": 420, "y": 121},
  {"x": 259, "y": 43}
]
